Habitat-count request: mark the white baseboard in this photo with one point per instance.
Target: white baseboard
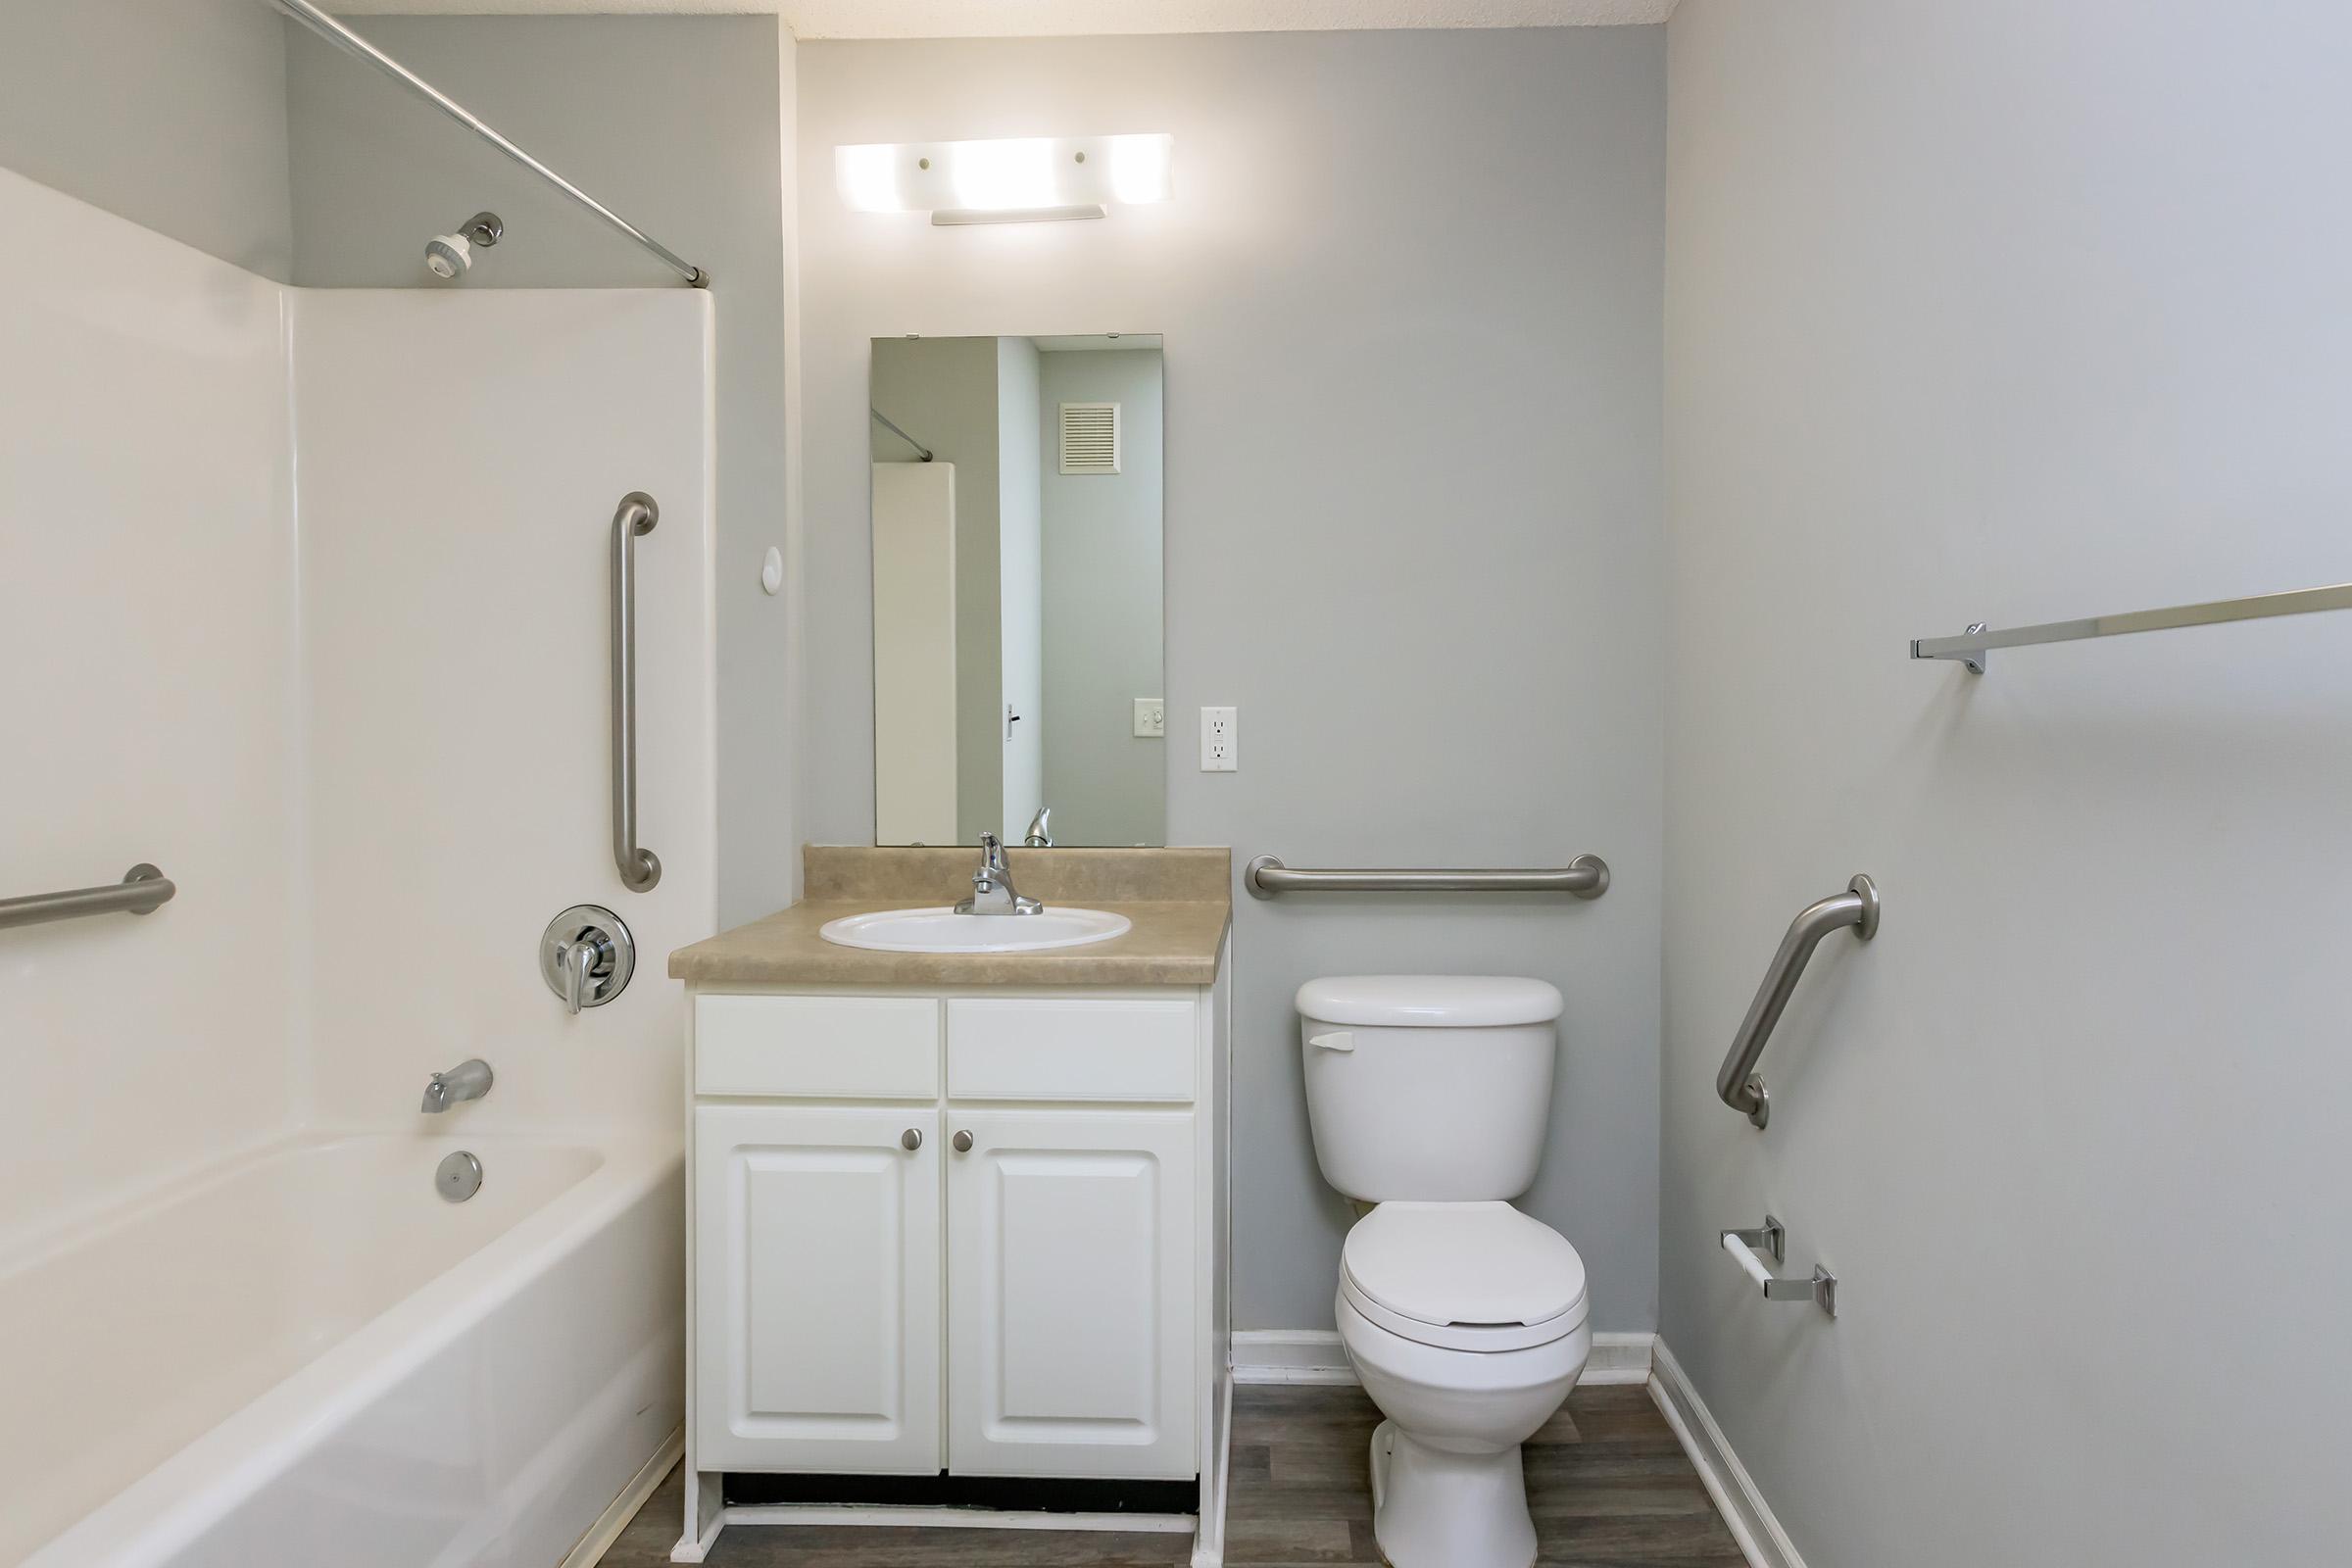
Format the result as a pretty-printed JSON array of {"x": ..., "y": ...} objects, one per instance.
[
  {"x": 622, "y": 1509},
  {"x": 1290, "y": 1355},
  {"x": 1618, "y": 1359},
  {"x": 1313, "y": 1356},
  {"x": 1743, "y": 1506}
]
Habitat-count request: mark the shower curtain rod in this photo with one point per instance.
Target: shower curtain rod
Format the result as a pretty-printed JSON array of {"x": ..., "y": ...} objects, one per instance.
[
  {"x": 351, "y": 43},
  {"x": 892, "y": 428}
]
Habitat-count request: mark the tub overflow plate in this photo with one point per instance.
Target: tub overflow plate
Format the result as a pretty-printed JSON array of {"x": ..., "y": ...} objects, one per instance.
[{"x": 459, "y": 1177}]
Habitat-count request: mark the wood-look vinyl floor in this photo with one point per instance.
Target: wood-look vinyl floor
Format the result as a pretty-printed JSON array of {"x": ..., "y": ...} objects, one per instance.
[{"x": 1607, "y": 1483}]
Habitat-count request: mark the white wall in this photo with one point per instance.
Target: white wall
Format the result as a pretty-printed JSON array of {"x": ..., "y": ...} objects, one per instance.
[
  {"x": 366, "y": 734},
  {"x": 1020, "y": 582},
  {"x": 147, "y": 629},
  {"x": 943, "y": 395},
  {"x": 2014, "y": 311},
  {"x": 914, "y": 651},
  {"x": 1410, "y": 285},
  {"x": 170, "y": 113},
  {"x": 1105, "y": 615},
  {"x": 682, "y": 125},
  {"x": 456, "y": 536}
]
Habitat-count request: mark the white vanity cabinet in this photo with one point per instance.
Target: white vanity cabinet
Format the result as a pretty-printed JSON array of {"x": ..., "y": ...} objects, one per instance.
[{"x": 972, "y": 1233}]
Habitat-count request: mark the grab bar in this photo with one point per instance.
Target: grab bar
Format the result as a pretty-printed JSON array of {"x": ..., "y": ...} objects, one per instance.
[
  {"x": 1586, "y": 876},
  {"x": 1773, "y": 1237},
  {"x": 640, "y": 868},
  {"x": 1737, "y": 1082},
  {"x": 1973, "y": 647},
  {"x": 143, "y": 891}
]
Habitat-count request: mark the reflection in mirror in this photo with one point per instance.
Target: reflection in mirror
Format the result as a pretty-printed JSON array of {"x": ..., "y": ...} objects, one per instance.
[{"x": 1016, "y": 519}]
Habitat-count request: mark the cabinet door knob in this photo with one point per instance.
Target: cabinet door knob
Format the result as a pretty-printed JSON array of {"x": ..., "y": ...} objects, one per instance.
[
  {"x": 910, "y": 1140},
  {"x": 963, "y": 1142}
]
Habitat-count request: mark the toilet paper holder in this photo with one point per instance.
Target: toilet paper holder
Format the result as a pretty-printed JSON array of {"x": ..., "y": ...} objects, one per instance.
[{"x": 1773, "y": 1237}]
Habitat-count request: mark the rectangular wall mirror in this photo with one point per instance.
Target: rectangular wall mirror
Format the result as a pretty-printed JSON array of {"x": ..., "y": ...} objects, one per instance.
[{"x": 1016, "y": 517}]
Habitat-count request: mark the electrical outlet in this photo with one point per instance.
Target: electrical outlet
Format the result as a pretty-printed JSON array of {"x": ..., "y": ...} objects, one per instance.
[
  {"x": 1150, "y": 717},
  {"x": 1220, "y": 740}
]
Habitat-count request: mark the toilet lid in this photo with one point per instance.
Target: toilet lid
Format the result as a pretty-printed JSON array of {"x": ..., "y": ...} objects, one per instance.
[{"x": 1466, "y": 1264}]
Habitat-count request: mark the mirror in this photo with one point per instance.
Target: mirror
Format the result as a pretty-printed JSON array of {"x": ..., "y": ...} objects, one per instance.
[{"x": 1016, "y": 522}]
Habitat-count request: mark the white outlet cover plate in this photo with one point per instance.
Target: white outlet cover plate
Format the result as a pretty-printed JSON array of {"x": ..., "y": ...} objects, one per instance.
[
  {"x": 1220, "y": 740},
  {"x": 1150, "y": 717}
]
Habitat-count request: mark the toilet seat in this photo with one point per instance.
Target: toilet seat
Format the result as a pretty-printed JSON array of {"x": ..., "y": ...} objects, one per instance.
[{"x": 1472, "y": 1276}]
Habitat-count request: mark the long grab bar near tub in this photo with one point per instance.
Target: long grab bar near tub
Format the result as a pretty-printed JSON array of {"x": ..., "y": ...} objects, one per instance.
[
  {"x": 1738, "y": 1083},
  {"x": 640, "y": 868},
  {"x": 1586, "y": 876},
  {"x": 143, "y": 891}
]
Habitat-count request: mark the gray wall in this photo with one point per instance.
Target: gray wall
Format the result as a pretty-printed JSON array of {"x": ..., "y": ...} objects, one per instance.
[
  {"x": 170, "y": 113},
  {"x": 944, "y": 394},
  {"x": 1410, "y": 285},
  {"x": 2015, "y": 312},
  {"x": 673, "y": 123},
  {"x": 1104, "y": 602}
]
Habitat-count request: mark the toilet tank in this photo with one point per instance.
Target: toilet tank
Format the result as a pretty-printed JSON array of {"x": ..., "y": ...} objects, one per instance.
[{"x": 1428, "y": 1087}]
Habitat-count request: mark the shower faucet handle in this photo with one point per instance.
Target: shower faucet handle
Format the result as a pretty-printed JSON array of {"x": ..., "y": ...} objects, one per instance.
[{"x": 586, "y": 956}]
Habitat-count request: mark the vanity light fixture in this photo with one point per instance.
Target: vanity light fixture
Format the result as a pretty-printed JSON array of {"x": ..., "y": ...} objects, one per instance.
[{"x": 1024, "y": 179}]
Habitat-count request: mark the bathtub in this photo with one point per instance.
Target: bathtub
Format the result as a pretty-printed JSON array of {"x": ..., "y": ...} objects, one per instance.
[{"x": 305, "y": 1356}]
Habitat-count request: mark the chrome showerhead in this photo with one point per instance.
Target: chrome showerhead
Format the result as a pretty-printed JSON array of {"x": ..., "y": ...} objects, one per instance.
[{"x": 448, "y": 255}]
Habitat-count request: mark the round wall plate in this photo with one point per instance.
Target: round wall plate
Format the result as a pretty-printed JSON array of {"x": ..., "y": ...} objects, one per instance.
[{"x": 615, "y": 952}]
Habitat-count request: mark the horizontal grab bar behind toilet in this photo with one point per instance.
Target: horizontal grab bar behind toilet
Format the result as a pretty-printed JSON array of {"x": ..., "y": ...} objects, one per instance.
[
  {"x": 1586, "y": 876},
  {"x": 1773, "y": 1237},
  {"x": 1737, "y": 1082}
]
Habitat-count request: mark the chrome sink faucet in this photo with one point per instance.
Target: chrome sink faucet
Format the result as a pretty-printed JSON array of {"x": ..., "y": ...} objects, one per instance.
[
  {"x": 992, "y": 892},
  {"x": 468, "y": 1080}
]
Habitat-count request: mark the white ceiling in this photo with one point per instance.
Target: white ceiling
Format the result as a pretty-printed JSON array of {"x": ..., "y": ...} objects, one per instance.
[{"x": 1030, "y": 18}]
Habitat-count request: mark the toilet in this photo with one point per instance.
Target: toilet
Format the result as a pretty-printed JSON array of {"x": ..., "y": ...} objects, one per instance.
[{"x": 1465, "y": 1319}]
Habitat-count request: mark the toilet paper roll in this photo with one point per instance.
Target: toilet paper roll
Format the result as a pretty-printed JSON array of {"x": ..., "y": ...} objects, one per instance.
[{"x": 1749, "y": 1260}]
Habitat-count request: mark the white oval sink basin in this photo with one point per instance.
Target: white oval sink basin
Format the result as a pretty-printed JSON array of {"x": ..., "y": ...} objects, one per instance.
[{"x": 943, "y": 930}]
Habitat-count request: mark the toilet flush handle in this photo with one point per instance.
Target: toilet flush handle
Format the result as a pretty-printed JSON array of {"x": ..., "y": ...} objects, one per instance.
[{"x": 1337, "y": 1039}]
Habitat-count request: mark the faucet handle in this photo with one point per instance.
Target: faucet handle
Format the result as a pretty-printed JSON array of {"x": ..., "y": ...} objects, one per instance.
[
  {"x": 579, "y": 960},
  {"x": 586, "y": 955}
]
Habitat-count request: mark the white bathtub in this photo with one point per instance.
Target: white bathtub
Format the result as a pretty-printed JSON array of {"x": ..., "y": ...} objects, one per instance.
[{"x": 306, "y": 1356}]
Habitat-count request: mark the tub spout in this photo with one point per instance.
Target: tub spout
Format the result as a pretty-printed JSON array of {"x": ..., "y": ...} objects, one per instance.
[{"x": 468, "y": 1080}]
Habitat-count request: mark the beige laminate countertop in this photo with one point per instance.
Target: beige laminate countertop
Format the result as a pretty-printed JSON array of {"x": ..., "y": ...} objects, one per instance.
[{"x": 1178, "y": 900}]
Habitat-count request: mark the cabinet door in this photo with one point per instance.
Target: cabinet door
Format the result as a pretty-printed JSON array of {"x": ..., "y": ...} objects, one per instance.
[
  {"x": 1070, "y": 1294},
  {"x": 816, "y": 1289}
]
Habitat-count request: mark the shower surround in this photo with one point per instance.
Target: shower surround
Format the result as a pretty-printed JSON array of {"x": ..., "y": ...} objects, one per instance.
[{"x": 312, "y": 590}]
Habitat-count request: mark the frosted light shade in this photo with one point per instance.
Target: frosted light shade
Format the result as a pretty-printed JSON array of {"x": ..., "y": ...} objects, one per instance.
[{"x": 1005, "y": 180}]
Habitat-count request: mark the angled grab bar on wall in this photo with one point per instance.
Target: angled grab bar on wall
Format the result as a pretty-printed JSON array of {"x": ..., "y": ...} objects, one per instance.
[
  {"x": 640, "y": 868},
  {"x": 143, "y": 891},
  {"x": 1737, "y": 1082}
]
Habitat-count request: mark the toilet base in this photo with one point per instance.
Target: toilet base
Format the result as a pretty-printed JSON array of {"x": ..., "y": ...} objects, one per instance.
[{"x": 1437, "y": 1508}]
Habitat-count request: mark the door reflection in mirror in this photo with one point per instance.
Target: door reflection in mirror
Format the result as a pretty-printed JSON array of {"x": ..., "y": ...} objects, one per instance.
[{"x": 1017, "y": 589}]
